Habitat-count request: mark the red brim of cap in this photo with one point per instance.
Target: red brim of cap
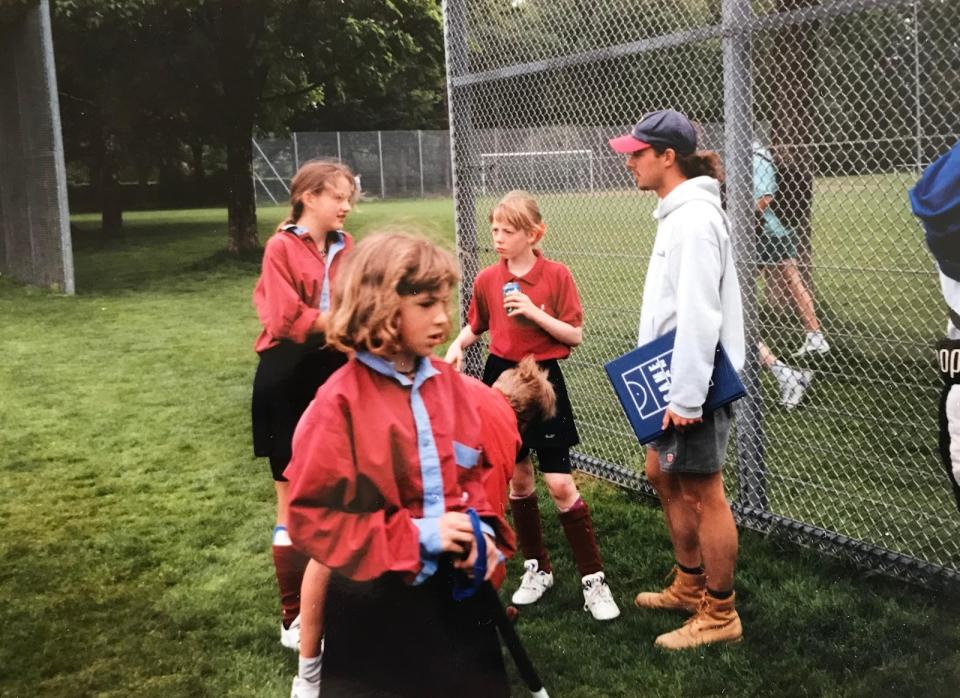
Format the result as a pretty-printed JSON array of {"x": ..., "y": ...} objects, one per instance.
[{"x": 627, "y": 144}]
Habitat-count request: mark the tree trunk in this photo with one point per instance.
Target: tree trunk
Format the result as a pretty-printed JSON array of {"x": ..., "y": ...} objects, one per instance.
[
  {"x": 111, "y": 208},
  {"x": 196, "y": 164},
  {"x": 793, "y": 128},
  {"x": 238, "y": 29},
  {"x": 241, "y": 205}
]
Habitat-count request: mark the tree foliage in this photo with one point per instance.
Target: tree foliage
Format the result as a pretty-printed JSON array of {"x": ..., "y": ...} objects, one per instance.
[{"x": 144, "y": 80}]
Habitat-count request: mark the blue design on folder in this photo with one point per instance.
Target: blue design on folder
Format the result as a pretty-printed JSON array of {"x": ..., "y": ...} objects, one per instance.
[{"x": 641, "y": 379}]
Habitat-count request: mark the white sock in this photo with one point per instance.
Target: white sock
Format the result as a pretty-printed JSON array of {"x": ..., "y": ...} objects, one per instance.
[
  {"x": 782, "y": 372},
  {"x": 815, "y": 337},
  {"x": 280, "y": 536},
  {"x": 310, "y": 668}
]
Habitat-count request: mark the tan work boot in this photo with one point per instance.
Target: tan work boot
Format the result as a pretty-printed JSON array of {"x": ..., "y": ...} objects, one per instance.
[
  {"x": 716, "y": 620},
  {"x": 683, "y": 594}
]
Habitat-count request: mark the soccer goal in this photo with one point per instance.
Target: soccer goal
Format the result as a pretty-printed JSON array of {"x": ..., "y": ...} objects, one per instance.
[{"x": 537, "y": 170}]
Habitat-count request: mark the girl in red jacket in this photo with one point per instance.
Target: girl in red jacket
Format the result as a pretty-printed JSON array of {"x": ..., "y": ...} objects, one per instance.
[
  {"x": 387, "y": 488},
  {"x": 292, "y": 297}
]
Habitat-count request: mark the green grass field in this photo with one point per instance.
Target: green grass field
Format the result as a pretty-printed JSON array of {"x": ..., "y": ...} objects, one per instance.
[{"x": 135, "y": 551}]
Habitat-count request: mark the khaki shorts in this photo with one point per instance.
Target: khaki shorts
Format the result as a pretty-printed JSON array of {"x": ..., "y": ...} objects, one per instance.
[{"x": 698, "y": 449}]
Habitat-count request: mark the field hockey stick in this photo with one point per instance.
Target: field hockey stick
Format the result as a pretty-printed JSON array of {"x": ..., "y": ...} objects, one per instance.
[
  {"x": 488, "y": 597},
  {"x": 508, "y": 633}
]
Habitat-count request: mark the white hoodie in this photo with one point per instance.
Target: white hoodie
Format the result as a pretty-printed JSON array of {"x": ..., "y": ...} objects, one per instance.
[{"x": 692, "y": 286}]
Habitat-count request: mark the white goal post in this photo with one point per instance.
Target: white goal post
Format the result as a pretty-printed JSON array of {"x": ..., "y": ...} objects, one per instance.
[{"x": 486, "y": 158}]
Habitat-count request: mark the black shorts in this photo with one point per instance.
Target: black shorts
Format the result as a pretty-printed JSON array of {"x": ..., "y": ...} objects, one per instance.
[
  {"x": 287, "y": 378},
  {"x": 388, "y": 638},
  {"x": 553, "y": 438}
]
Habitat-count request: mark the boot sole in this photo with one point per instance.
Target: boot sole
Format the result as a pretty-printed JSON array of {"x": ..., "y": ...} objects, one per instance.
[
  {"x": 673, "y": 609},
  {"x": 734, "y": 641}
]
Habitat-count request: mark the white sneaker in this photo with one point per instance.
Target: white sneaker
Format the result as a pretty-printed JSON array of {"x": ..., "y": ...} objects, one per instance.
[
  {"x": 290, "y": 637},
  {"x": 304, "y": 689},
  {"x": 597, "y": 597},
  {"x": 793, "y": 388},
  {"x": 813, "y": 344},
  {"x": 534, "y": 583}
]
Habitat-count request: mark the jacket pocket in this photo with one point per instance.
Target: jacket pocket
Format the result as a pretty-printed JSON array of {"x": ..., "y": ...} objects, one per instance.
[{"x": 465, "y": 456}]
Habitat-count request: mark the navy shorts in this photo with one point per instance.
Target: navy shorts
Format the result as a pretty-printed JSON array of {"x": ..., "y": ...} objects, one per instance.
[
  {"x": 698, "y": 449},
  {"x": 552, "y": 439}
]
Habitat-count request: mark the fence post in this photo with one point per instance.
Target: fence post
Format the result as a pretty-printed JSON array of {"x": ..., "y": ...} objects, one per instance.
[
  {"x": 738, "y": 157},
  {"x": 916, "y": 87},
  {"x": 420, "y": 153},
  {"x": 339, "y": 159},
  {"x": 460, "y": 107},
  {"x": 383, "y": 192},
  {"x": 296, "y": 154}
]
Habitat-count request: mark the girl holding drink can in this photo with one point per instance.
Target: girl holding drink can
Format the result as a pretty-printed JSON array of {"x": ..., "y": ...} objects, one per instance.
[{"x": 531, "y": 306}]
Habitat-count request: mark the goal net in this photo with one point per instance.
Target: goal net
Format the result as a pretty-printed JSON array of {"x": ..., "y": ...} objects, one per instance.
[{"x": 537, "y": 171}]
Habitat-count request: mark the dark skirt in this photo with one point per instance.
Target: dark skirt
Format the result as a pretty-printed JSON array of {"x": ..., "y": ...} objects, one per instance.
[
  {"x": 556, "y": 433},
  {"x": 287, "y": 378},
  {"x": 388, "y": 638}
]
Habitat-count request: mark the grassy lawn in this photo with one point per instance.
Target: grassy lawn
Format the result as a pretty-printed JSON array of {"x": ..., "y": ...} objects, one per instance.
[{"x": 135, "y": 551}]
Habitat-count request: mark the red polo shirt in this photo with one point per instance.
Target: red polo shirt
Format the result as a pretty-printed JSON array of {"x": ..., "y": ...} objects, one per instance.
[
  {"x": 549, "y": 285},
  {"x": 287, "y": 295},
  {"x": 356, "y": 487}
]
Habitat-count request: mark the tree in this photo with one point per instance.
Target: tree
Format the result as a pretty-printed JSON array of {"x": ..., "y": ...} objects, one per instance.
[
  {"x": 105, "y": 105},
  {"x": 144, "y": 81},
  {"x": 260, "y": 61}
]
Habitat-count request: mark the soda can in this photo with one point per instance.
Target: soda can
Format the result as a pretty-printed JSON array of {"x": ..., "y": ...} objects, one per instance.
[{"x": 511, "y": 287}]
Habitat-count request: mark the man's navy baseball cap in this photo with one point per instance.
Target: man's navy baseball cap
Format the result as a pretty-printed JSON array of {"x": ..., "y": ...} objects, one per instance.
[{"x": 666, "y": 129}]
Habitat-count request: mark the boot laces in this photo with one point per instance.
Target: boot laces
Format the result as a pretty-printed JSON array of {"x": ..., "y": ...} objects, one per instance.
[{"x": 699, "y": 613}]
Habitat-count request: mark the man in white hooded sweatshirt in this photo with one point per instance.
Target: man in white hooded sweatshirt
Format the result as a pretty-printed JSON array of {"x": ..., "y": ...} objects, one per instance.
[{"x": 692, "y": 287}]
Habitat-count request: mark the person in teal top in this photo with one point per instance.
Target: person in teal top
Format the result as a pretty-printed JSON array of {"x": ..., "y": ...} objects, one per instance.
[{"x": 777, "y": 252}]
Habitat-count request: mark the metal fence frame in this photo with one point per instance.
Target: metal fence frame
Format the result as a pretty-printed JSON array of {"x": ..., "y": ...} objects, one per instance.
[
  {"x": 391, "y": 164},
  {"x": 735, "y": 30}
]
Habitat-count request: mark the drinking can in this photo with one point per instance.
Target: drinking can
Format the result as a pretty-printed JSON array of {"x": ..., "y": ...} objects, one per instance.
[{"x": 511, "y": 287}]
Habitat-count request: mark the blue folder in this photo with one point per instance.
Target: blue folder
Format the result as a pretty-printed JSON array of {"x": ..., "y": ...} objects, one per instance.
[{"x": 641, "y": 379}]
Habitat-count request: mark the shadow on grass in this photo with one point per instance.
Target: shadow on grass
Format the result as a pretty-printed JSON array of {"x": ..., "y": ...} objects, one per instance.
[{"x": 148, "y": 255}]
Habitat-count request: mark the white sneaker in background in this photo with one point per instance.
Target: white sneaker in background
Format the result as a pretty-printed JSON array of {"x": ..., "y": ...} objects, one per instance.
[
  {"x": 813, "y": 344},
  {"x": 597, "y": 597},
  {"x": 533, "y": 585},
  {"x": 290, "y": 637},
  {"x": 793, "y": 388}
]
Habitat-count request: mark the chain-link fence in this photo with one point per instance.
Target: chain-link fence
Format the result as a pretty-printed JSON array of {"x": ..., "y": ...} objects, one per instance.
[
  {"x": 34, "y": 221},
  {"x": 825, "y": 111},
  {"x": 390, "y": 164}
]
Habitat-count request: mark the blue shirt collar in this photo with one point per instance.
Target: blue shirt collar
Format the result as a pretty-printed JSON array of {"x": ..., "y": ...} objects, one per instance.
[
  {"x": 301, "y": 232},
  {"x": 425, "y": 369}
]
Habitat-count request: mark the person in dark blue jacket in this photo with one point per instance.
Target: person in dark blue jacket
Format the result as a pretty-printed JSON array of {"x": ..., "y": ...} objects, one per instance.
[{"x": 936, "y": 202}]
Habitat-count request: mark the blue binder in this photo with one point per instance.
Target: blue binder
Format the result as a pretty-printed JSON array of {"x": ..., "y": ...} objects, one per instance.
[{"x": 641, "y": 379}]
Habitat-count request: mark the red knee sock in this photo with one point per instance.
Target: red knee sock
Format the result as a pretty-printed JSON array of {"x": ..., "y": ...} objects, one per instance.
[
  {"x": 290, "y": 564},
  {"x": 526, "y": 519},
  {"x": 579, "y": 529}
]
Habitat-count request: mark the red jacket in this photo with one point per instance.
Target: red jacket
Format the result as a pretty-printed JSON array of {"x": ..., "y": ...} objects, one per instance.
[
  {"x": 360, "y": 454},
  {"x": 501, "y": 443},
  {"x": 287, "y": 295}
]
